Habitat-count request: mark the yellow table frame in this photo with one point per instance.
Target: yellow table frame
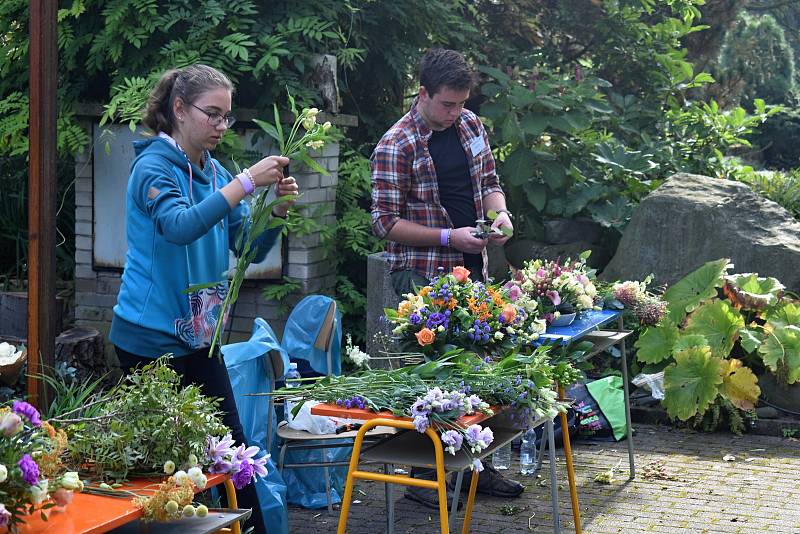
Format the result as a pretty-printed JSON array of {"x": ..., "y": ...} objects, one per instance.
[{"x": 439, "y": 484}]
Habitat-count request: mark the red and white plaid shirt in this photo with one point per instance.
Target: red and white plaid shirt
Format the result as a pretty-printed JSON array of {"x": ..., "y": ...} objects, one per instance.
[{"x": 404, "y": 186}]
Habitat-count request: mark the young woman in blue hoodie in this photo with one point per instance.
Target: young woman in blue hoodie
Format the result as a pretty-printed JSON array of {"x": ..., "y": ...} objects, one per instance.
[{"x": 184, "y": 211}]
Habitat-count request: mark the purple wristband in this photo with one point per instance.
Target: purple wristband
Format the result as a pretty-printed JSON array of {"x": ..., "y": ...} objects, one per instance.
[
  {"x": 247, "y": 183},
  {"x": 444, "y": 237}
]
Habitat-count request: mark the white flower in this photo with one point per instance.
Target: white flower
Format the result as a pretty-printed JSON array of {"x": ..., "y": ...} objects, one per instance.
[
  {"x": 326, "y": 126},
  {"x": 315, "y": 145},
  {"x": 169, "y": 467},
  {"x": 197, "y": 476},
  {"x": 181, "y": 477},
  {"x": 585, "y": 302},
  {"x": 591, "y": 290},
  {"x": 357, "y": 356},
  {"x": 3, "y": 473},
  {"x": 39, "y": 491},
  {"x": 8, "y": 353},
  {"x": 440, "y": 328},
  {"x": 498, "y": 335},
  {"x": 312, "y": 112}
]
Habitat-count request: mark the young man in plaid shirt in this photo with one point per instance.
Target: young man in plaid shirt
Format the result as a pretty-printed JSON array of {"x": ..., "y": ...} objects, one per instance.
[{"x": 433, "y": 177}]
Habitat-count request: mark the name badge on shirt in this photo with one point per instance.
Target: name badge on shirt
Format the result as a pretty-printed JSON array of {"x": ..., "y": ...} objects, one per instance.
[{"x": 476, "y": 146}]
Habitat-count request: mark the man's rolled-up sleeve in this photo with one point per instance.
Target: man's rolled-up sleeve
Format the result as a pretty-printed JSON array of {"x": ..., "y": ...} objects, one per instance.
[{"x": 390, "y": 182}]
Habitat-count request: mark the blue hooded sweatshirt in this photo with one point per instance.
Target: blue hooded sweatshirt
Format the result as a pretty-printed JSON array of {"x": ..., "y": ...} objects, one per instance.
[{"x": 175, "y": 241}]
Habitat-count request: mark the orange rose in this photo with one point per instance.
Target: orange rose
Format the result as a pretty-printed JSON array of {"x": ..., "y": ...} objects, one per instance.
[
  {"x": 509, "y": 313},
  {"x": 461, "y": 273},
  {"x": 425, "y": 337}
]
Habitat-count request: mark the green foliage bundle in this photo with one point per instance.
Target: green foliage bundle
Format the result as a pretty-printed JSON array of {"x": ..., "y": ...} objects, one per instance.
[
  {"x": 146, "y": 421},
  {"x": 711, "y": 346}
]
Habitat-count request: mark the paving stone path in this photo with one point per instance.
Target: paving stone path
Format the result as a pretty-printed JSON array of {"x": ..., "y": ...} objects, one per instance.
[{"x": 686, "y": 483}]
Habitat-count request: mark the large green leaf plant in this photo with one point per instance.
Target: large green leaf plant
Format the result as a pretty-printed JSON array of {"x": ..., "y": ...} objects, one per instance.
[{"x": 719, "y": 333}]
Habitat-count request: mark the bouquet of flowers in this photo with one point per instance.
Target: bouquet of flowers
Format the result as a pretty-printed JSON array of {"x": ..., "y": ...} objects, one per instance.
[
  {"x": 438, "y": 392},
  {"x": 557, "y": 287},
  {"x": 454, "y": 310},
  {"x": 31, "y": 472},
  {"x": 647, "y": 307}
]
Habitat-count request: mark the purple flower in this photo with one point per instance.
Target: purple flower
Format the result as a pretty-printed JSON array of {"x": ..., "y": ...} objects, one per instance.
[
  {"x": 554, "y": 297},
  {"x": 23, "y": 408},
  {"x": 243, "y": 475},
  {"x": 218, "y": 448},
  {"x": 5, "y": 515},
  {"x": 10, "y": 424},
  {"x": 30, "y": 471},
  {"x": 435, "y": 319},
  {"x": 453, "y": 440},
  {"x": 421, "y": 423},
  {"x": 473, "y": 432},
  {"x": 244, "y": 453},
  {"x": 220, "y": 466},
  {"x": 415, "y": 318},
  {"x": 419, "y": 408},
  {"x": 477, "y": 465},
  {"x": 260, "y": 466}
]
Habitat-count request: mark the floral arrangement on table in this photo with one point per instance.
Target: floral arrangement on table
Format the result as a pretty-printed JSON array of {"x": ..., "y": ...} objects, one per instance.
[
  {"x": 438, "y": 392},
  {"x": 556, "y": 287},
  {"x": 647, "y": 308},
  {"x": 32, "y": 475},
  {"x": 455, "y": 311}
]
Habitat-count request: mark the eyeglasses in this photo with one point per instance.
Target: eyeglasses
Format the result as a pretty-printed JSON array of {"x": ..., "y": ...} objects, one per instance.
[{"x": 215, "y": 119}]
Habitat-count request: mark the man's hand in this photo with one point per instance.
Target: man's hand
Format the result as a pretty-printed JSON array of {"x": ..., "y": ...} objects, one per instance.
[
  {"x": 501, "y": 221},
  {"x": 463, "y": 240}
]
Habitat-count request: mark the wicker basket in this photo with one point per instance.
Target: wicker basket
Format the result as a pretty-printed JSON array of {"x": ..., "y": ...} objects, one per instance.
[{"x": 9, "y": 373}]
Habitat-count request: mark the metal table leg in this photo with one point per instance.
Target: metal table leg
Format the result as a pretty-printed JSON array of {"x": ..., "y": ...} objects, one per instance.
[
  {"x": 553, "y": 476},
  {"x": 632, "y": 466},
  {"x": 456, "y": 495},
  {"x": 573, "y": 487},
  {"x": 389, "y": 470}
]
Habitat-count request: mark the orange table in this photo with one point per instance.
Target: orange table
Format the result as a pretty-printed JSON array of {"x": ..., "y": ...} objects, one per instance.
[
  {"x": 332, "y": 410},
  {"x": 94, "y": 514}
]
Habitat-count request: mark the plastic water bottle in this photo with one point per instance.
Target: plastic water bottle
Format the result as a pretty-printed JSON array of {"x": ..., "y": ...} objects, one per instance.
[
  {"x": 527, "y": 453},
  {"x": 501, "y": 458},
  {"x": 292, "y": 381}
]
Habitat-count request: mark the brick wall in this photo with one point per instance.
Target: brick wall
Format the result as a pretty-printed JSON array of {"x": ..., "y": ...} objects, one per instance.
[{"x": 304, "y": 258}]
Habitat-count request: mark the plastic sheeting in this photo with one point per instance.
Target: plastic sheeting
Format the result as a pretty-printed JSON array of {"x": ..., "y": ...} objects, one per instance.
[
  {"x": 306, "y": 486},
  {"x": 302, "y": 330},
  {"x": 249, "y": 370}
]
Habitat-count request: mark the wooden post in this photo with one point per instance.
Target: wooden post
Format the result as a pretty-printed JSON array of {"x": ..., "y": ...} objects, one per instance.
[{"x": 42, "y": 192}]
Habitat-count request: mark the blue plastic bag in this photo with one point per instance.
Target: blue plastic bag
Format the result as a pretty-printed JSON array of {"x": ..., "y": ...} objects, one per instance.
[
  {"x": 302, "y": 330},
  {"x": 306, "y": 486},
  {"x": 248, "y": 371}
]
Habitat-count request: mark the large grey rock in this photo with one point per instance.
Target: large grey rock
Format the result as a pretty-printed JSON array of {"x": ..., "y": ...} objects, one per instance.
[{"x": 693, "y": 219}]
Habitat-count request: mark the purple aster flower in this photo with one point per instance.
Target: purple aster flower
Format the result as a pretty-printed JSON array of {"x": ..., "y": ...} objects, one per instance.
[
  {"x": 30, "y": 470},
  {"x": 421, "y": 423},
  {"x": 473, "y": 433},
  {"x": 435, "y": 319},
  {"x": 419, "y": 408},
  {"x": 220, "y": 466},
  {"x": 243, "y": 475},
  {"x": 260, "y": 466},
  {"x": 23, "y": 408},
  {"x": 244, "y": 453},
  {"x": 218, "y": 448},
  {"x": 415, "y": 318}
]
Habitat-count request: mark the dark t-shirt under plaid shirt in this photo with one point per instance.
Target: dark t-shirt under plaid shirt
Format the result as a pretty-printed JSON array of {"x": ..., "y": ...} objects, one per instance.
[{"x": 404, "y": 186}]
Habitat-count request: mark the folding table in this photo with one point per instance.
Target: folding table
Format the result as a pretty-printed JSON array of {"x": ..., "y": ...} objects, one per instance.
[
  {"x": 412, "y": 448},
  {"x": 590, "y": 326}
]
